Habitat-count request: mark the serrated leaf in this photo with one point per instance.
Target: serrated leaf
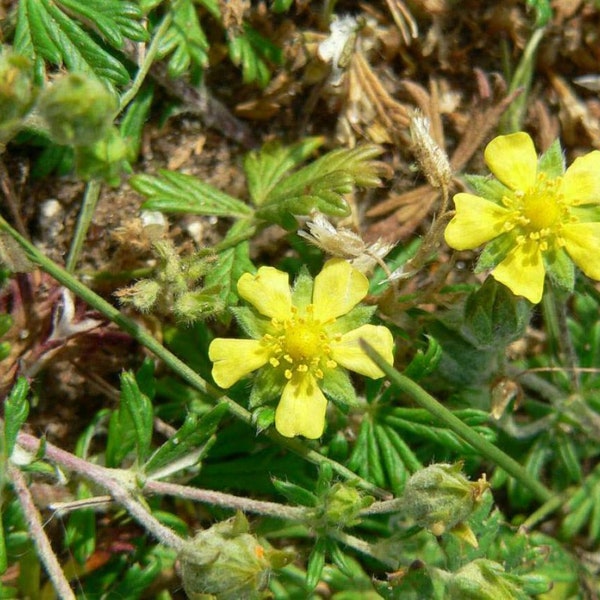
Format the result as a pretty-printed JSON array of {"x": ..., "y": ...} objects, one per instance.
[
  {"x": 253, "y": 52},
  {"x": 45, "y": 31},
  {"x": 266, "y": 167},
  {"x": 172, "y": 192},
  {"x": 113, "y": 19},
  {"x": 231, "y": 264},
  {"x": 16, "y": 409},
  {"x": 185, "y": 40},
  {"x": 487, "y": 187},
  {"x": 189, "y": 440},
  {"x": 323, "y": 184}
]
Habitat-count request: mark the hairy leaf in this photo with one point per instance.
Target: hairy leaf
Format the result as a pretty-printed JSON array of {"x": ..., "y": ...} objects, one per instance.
[
  {"x": 53, "y": 32},
  {"x": 172, "y": 192}
]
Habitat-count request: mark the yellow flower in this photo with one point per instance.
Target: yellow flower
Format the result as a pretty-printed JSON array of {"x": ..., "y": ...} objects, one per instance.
[
  {"x": 305, "y": 338},
  {"x": 537, "y": 217}
]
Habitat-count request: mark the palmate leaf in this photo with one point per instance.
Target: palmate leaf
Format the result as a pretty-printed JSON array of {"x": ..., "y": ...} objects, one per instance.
[
  {"x": 184, "y": 41},
  {"x": 322, "y": 184},
  {"x": 49, "y": 31},
  {"x": 173, "y": 192}
]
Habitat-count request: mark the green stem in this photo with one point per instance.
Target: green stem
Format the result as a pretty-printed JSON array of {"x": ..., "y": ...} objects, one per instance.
[
  {"x": 487, "y": 449},
  {"x": 143, "y": 70},
  {"x": 140, "y": 334},
  {"x": 88, "y": 206}
]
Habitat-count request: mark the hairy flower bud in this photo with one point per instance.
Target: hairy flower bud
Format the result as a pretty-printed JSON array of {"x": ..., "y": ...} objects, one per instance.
[
  {"x": 440, "y": 497},
  {"x": 16, "y": 92},
  {"x": 77, "y": 109},
  {"x": 226, "y": 562}
]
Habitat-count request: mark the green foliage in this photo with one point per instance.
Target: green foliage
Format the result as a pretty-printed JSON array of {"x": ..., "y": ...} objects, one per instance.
[
  {"x": 53, "y": 32},
  {"x": 16, "y": 409},
  {"x": 185, "y": 41}
]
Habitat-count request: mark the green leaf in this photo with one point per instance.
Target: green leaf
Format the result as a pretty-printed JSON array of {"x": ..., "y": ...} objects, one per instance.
[
  {"x": 45, "y": 32},
  {"x": 16, "y": 409},
  {"x": 323, "y": 184},
  {"x": 253, "y": 325},
  {"x": 266, "y": 387},
  {"x": 173, "y": 192},
  {"x": 80, "y": 532},
  {"x": 424, "y": 363},
  {"x": 494, "y": 252},
  {"x": 231, "y": 264},
  {"x": 395, "y": 469},
  {"x": 560, "y": 268},
  {"x": 316, "y": 562},
  {"x": 254, "y": 53},
  {"x": 115, "y": 20},
  {"x": 185, "y": 40},
  {"x": 133, "y": 121},
  {"x": 266, "y": 167},
  {"x": 139, "y": 408},
  {"x": 188, "y": 441},
  {"x": 279, "y": 6}
]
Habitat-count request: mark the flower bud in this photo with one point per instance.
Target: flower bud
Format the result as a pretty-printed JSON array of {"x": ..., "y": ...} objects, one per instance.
[
  {"x": 483, "y": 579},
  {"x": 341, "y": 506},
  {"x": 16, "y": 91},
  {"x": 440, "y": 497},
  {"x": 78, "y": 110},
  {"x": 226, "y": 562}
]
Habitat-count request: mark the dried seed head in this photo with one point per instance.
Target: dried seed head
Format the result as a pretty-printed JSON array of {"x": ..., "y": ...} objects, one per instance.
[
  {"x": 432, "y": 159},
  {"x": 344, "y": 243}
]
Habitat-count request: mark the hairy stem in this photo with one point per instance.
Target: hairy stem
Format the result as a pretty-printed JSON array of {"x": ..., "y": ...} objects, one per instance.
[
  {"x": 186, "y": 373},
  {"x": 38, "y": 535},
  {"x": 487, "y": 449},
  {"x": 110, "y": 480}
]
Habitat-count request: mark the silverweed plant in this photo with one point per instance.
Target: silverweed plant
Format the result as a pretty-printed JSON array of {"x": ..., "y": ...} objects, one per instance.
[{"x": 268, "y": 327}]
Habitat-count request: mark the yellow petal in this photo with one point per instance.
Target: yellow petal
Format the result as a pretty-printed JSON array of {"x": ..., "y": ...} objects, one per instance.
[
  {"x": 268, "y": 291},
  {"x": 301, "y": 410},
  {"x": 582, "y": 242},
  {"x": 476, "y": 222},
  {"x": 234, "y": 359},
  {"x": 581, "y": 182},
  {"x": 513, "y": 160},
  {"x": 348, "y": 353},
  {"x": 338, "y": 288},
  {"x": 522, "y": 271}
]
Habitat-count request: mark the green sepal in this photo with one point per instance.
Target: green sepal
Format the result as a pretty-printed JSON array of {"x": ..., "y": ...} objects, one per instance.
[
  {"x": 268, "y": 384},
  {"x": 336, "y": 385},
  {"x": 358, "y": 316},
  {"x": 303, "y": 289},
  {"x": 494, "y": 253},
  {"x": 251, "y": 323},
  {"x": 294, "y": 493},
  {"x": 263, "y": 418},
  {"x": 552, "y": 162},
  {"x": 487, "y": 187},
  {"x": 560, "y": 268},
  {"x": 16, "y": 409}
]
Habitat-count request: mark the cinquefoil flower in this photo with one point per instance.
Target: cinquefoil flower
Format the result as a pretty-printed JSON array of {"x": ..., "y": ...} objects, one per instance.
[
  {"x": 536, "y": 216},
  {"x": 304, "y": 340}
]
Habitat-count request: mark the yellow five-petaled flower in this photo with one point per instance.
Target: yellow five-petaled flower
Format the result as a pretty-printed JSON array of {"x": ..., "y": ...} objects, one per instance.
[
  {"x": 304, "y": 339},
  {"x": 536, "y": 216}
]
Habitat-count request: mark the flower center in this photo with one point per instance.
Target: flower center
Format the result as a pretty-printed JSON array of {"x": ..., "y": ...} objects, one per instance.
[
  {"x": 301, "y": 344},
  {"x": 541, "y": 205},
  {"x": 303, "y": 339}
]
